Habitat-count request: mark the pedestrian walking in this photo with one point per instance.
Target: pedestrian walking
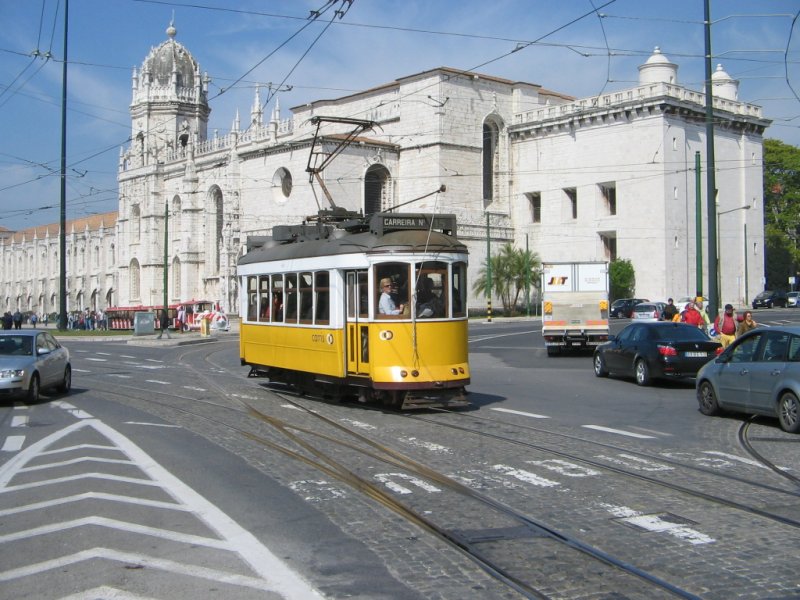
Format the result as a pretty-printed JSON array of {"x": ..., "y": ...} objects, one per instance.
[
  {"x": 17, "y": 319},
  {"x": 725, "y": 325},
  {"x": 747, "y": 324}
]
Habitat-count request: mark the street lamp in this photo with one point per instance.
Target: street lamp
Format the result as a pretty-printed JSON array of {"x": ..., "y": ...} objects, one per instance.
[{"x": 719, "y": 265}]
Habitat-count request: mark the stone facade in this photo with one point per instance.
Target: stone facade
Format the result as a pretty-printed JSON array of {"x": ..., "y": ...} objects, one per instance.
[
  {"x": 31, "y": 266},
  {"x": 573, "y": 179}
]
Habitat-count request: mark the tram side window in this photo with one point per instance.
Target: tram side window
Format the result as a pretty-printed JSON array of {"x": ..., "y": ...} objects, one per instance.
[
  {"x": 459, "y": 289},
  {"x": 363, "y": 295},
  {"x": 252, "y": 298},
  {"x": 391, "y": 297},
  {"x": 432, "y": 294},
  {"x": 306, "y": 297},
  {"x": 290, "y": 298},
  {"x": 276, "y": 311},
  {"x": 322, "y": 293},
  {"x": 264, "y": 301}
]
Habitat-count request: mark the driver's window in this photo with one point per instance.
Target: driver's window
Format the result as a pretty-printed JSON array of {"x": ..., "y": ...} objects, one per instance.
[
  {"x": 746, "y": 349},
  {"x": 625, "y": 334}
]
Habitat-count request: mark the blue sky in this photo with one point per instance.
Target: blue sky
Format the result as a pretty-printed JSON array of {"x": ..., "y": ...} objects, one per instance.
[{"x": 582, "y": 48}]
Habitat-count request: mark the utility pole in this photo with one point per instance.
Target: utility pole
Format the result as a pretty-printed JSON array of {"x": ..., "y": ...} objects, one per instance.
[
  {"x": 488, "y": 271},
  {"x": 711, "y": 186},
  {"x": 62, "y": 240},
  {"x": 165, "y": 312}
]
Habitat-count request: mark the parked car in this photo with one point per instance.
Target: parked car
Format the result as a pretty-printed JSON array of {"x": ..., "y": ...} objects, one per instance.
[
  {"x": 648, "y": 311},
  {"x": 623, "y": 307},
  {"x": 758, "y": 374},
  {"x": 769, "y": 299},
  {"x": 30, "y": 360},
  {"x": 793, "y": 299},
  {"x": 650, "y": 351}
]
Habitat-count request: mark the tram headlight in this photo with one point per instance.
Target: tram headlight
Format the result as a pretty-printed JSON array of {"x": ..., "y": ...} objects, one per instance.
[
  {"x": 403, "y": 373},
  {"x": 386, "y": 335},
  {"x": 415, "y": 373}
]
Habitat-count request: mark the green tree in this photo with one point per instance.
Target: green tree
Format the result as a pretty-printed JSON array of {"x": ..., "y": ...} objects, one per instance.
[
  {"x": 622, "y": 278},
  {"x": 511, "y": 270},
  {"x": 781, "y": 212}
]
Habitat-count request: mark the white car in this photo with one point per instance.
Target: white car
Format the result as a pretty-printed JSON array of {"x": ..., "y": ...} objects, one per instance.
[
  {"x": 30, "y": 360},
  {"x": 793, "y": 299},
  {"x": 648, "y": 311}
]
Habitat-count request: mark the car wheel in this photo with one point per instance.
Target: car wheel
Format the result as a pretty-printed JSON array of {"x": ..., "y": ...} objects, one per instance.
[
  {"x": 642, "y": 372},
  {"x": 789, "y": 412},
  {"x": 33, "y": 389},
  {"x": 66, "y": 383},
  {"x": 600, "y": 366},
  {"x": 707, "y": 399}
]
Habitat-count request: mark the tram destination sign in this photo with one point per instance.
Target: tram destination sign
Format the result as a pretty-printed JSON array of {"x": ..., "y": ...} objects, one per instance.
[{"x": 383, "y": 222}]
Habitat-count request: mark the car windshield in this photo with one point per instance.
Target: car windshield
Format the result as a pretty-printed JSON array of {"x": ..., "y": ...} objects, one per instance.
[
  {"x": 681, "y": 333},
  {"x": 15, "y": 345},
  {"x": 764, "y": 295}
]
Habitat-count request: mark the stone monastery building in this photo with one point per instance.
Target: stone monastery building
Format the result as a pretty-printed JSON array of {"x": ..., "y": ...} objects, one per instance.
[{"x": 587, "y": 179}]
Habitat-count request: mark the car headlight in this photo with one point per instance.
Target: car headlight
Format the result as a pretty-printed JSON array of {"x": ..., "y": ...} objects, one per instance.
[{"x": 11, "y": 373}]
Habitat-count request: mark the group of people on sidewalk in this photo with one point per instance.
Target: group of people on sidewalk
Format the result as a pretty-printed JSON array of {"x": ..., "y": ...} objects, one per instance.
[{"x": 726, "y": 326}]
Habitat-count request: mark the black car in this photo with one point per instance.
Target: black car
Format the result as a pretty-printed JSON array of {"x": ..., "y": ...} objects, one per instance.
[
  {"x": 655, "y": 350},
  {"x": 768, "y": 299},
  {"x": 623, "y": 307}
]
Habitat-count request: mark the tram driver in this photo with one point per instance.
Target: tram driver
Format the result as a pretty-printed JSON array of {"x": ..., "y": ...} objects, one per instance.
[{"x": 386, "y": 304}]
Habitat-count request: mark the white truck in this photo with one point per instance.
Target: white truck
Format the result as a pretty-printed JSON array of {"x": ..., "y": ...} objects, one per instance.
[{"x": 574, "y": 305}]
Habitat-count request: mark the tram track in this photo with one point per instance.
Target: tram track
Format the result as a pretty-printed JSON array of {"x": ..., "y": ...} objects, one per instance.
[{"x": 746, "y": 443}]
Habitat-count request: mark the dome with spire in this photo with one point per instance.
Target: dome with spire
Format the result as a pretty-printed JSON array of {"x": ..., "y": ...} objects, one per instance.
[
  {"x": 725, "y": 86},
  {"x": 658, "y": 69},
  {"x": 167, "y": 59}
]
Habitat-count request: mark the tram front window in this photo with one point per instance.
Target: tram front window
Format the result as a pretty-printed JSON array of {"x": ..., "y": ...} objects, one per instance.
[
  {"x": 391, "y": 298},
  {"x": 432, "y": 298}
]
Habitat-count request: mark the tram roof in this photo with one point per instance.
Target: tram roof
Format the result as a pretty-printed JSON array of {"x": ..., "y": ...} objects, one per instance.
[{"x": 343, "y": 242}]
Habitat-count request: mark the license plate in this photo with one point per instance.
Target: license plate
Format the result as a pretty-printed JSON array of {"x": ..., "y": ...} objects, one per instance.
[{"x": 696, "y": 354}]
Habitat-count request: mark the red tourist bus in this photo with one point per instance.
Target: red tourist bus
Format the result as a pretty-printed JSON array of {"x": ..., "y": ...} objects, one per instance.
[{"x": 121, "y": 317}]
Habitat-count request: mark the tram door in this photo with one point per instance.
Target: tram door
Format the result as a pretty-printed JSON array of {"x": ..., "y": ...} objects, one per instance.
[{"x": 357, "y": 335}]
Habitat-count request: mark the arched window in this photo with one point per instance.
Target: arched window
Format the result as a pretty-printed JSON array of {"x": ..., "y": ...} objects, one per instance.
[
  {"x": 135, "y": 284},
  {"x": 490, "y": 158},
  {"x": 281, "y": 185},
  {"x": 214, "y": 231},
  {"x": 176, "y": 278},
  {"x": 376, "y": 189},
  {"x": 176, "y": 225},
  {"x": 136, "y": 222}
]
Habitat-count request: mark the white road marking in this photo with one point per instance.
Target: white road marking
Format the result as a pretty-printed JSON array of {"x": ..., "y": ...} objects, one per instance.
[
  {"x": 152, "y": 563},
  {"x": 154, "y": 360},
  {"x": 735, "y": 458},
  {"x": 635, "y": 462},
  {"x": 19, "y": 421},
  {"x": 272, "y": 573},
  {"x": 659, "y": 524},
  {"x": 386, "y": 479},
  {"x": 562, "y": 467},
  {"x": 158, "y": 382},
  {"x": 525, "y": 476},
  {"x": 194, "y": 389},
  {"x": 119, "y": 375},
  {"x": 104, "y": 353},
  {"x": 74, "y": 370},
  {"x": 126, "y": 356},
  {"x": 92, "y": 496},
  {"x": 619, "y": 432},
  {"x": 97, "y": 359},
  {"x": 358, "y": 424},
  {"x": 152, "y": 424},
  {"x": 412, "y": 441},
  {"x": 519, "y": 412},
  {"x": 13, "y": 443}
]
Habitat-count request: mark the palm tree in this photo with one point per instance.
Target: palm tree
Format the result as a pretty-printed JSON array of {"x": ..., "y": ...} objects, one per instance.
[{"x": 512, "y": 270}]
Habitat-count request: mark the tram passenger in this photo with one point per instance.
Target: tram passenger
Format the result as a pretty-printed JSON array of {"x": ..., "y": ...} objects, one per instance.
[
  {"x": 386, "y": 305},
  {"x": 428, "y": 303}
]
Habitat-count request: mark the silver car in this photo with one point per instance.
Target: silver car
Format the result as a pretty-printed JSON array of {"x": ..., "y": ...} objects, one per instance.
[
  {"x": 759, "y": 374},
  {"x": 31, "y": 359}
]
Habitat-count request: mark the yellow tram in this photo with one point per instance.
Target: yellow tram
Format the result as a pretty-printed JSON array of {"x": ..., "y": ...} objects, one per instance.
[{"x": 368, "y": 307}]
